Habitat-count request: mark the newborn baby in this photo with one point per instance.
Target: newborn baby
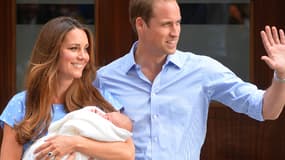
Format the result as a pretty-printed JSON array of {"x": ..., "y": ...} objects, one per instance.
[{"x": 84, "y": 122}]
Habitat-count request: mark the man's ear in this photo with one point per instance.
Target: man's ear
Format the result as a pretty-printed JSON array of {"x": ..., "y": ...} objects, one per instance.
[{"x": 140, "y": 24}]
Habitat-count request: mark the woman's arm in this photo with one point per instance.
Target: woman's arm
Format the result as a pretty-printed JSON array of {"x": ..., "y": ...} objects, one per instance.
[
  {"x": 10, "y": 148},
  {"x": 106, "y": 150},
  {"x": 65, "y": 145}
]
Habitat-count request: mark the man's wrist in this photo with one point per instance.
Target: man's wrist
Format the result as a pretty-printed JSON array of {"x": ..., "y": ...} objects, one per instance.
[{"x": 278, "y": 79}]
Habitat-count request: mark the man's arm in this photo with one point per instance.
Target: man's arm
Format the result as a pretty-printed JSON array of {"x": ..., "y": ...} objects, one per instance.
[{"x": 274, "y": 97}]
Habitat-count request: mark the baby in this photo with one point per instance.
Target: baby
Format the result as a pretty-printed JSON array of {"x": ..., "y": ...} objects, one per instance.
[{"x": 89, "y": 122}]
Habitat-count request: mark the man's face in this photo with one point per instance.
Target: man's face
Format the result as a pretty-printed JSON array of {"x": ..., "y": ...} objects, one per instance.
[{"x": 161, "y": 34}]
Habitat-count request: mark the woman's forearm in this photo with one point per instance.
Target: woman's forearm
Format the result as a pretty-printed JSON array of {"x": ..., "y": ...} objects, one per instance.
[{"x": 105, "y": 150}]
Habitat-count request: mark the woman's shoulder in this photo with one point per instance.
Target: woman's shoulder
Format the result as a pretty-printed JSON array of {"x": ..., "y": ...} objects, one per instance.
[
  {"x": 14, "y": 110},
  {"x": 18, "y": 99},
  {"x": 20, "y": 95}
]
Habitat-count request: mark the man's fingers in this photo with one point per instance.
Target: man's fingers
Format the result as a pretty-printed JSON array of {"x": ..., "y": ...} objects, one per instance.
[
  {"x": 282, "y": 36},
  {"x": 275, "y": 35}
]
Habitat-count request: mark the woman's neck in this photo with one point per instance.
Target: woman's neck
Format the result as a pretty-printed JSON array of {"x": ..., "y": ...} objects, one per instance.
[{"x": 61, "y": 89}]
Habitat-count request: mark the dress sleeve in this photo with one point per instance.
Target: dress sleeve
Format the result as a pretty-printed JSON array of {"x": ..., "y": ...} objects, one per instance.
[{"x": 14, "y": 112}]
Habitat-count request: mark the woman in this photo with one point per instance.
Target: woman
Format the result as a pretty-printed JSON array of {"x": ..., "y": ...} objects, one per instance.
[{"x": 58, "y": 81}]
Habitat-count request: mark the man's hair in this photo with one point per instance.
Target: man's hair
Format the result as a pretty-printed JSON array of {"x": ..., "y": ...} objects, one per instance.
[
  {"x": 140, "y": 8},
  {"x": 143, "y": 9}
]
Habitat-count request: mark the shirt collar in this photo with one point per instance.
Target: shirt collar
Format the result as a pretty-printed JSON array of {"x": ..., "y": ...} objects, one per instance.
[
  {"x": 175, "y": 59},
  {"x": 129, "y": 62}
]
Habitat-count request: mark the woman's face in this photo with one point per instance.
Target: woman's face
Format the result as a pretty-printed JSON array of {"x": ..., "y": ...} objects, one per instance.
[{"x": 73, "y": 54}]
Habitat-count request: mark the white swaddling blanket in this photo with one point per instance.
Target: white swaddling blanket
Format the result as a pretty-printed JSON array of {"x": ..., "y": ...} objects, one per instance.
[{"x": 85, "y": 123}]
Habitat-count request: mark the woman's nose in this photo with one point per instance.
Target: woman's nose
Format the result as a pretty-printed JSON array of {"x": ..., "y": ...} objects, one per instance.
[{"x": 83, "y": 54}]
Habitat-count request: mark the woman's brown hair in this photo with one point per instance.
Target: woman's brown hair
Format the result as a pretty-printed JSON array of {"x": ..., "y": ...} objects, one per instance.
[{"x": 41, "y": 80}]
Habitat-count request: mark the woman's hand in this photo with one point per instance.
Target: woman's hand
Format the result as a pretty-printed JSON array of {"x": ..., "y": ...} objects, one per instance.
[{"x": 56, "y": 148}]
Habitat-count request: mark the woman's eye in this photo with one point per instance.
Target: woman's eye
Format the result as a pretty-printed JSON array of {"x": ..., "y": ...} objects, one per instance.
[{"x": 73, "y": 48}]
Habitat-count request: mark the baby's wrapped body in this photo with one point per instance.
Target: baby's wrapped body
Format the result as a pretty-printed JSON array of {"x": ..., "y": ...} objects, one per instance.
[{"x": 83, "y": 122}]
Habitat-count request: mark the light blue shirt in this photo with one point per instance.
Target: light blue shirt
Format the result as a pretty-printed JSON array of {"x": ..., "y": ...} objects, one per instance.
[
  {"x": 170, "y": 115},
  {"x": 16, "y": 108}
]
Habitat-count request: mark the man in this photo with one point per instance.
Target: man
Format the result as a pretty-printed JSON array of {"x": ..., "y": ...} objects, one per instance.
[{"x": 167, "y": 92}]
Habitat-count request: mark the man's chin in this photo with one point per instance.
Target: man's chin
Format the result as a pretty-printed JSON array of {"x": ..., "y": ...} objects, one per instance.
[{"x": 171, "y": 51}]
